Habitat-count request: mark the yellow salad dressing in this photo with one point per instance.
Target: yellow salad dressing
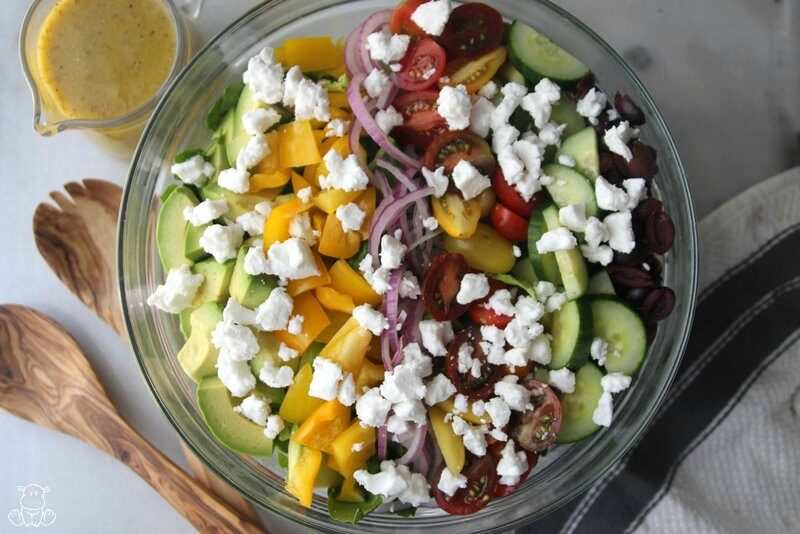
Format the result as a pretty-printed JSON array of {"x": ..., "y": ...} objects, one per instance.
[{"x": 101, "y": 59}]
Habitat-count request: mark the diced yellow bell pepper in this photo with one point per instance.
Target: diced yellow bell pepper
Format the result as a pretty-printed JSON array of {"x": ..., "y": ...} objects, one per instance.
[
  {"x": 338, "y": 100},
  {"x": 374, "y": 350},
  {"x": 334, "y": 301},
  {"x": 329, "y": 199},
  {"x": 323, "y": 426},
  {"x": 312, "y": 54},
  {"x": 273, "y": 180},
  {"x": 318, "y": 220},
  {"x": 272, "y": 161},
  {"x": 338, "y": 319},
  {"x": 297, "y": 405},
  {"x": 370, "y": 375},
  {"x": 345, "y": 279},
  {"x": 339, "y": 69},
  {"x": 350, "y": 492},
  {"x": 452, "y": 446},
  {"x": 315, "y": 321},
  {"x": 339, "y": 144},
  {"x": 344, "y": 459},
  {"x": 335, "y": 242},
  {"x": 339, "y": 113},
  {"x": 280, "y": 55},
  {"x": 298, "y": 146},
  {"x": 299, "y": 183},
  {"x": 367, "y": 201},
  {"x": 348, "y": 347},
  {"x": 310, "y": 175},
  {"x": 276, "y": 227},
  {"x": 300, "y": 479},
  {"x": 296, "y": 287},
  {"x": 448, "y": 406},
  {"x": 319, "y": 133}
]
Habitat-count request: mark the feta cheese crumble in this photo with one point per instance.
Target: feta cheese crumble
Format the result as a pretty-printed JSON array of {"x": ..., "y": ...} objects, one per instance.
[
  {"x": 392, "y": 251},
  {"x": 252, "y": 222},
  {"x": 620, "y": 231},
  {"x": 375, "y": 82},
  {"x": 563, "y": 379},
  {"x": 351, "y": 217},
  {"x": 291, "y": 259},
  {"x": 178, "y": 290},
  {"x": 235, "y": 375},
  {"x": 387, "y": 119},
  {"x": 276, "y": 376},
  {"x": 469, "y": 180},
  {"x": 573, "y": 217},
  {"x": 370, "y": 319},
  {"x": 599, "y": 350},
  {"x": 432, "y": 16},
  {"x": 325, "y": 380},
  {"x": 275, "y": 426},
  {"x": 255, "y": 409},
  {"x": 454, "y": 104},
  {"x": 449, "y": 483},
  {"x": 259, "y": 120},
  {"x": 387, "y": 48},
  {"x": 618, "y": 137},
  {"x": 343, "y": 173},
  {"x": 194, "y": 171},
  {"x": 440, "y": 388},
  {"x": 205, "y": 212},
  {"x": 592, "y": 104},
  {"x": 234, "y": 341},
  {"x": 555, "y": 240},
  {"x": 251, "y": 155},
  {"x": 236, "y": 180},
  {"x": 435, "y": 336},
  {"x": 273, "y": 314},
  {"x": 512, "y": 465},
  {"x": 473, "y": 287},
  {"x": 337, "y": 128},
  {"x": 437, "y": 180},
  {"x": 372, "y": 409}
]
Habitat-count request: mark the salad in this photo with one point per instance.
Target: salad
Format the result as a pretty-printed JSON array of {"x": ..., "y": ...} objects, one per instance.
[{"x": 410, "y": 262}]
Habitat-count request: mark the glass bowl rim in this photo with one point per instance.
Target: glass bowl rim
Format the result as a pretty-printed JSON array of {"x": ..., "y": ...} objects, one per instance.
[{"x": 665, "y": 380}]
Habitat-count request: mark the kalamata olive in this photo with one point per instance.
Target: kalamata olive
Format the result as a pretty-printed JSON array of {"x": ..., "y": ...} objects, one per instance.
[
  {"x": 602, "y": 125},
  {"x": 606, "y": 162},
  {"x": 637, "y": 295},
  {"x": 645, "y": 208},
  {"x": 651, "y": 329},
  {"x": 659, "y": 304},
  {"x": 628, "y": 110},
  {"x": 641, "y": 165},
  {"x": 660, "y": 232},
  {"x": 582, "y": 87},
  {"x": 626, "y": 277},
  {"x": 655, "y": 266},
  {"x": 633, "y": 258}
]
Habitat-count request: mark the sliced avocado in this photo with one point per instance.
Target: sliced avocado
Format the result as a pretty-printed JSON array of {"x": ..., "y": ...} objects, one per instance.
[
  {"x": 171, "y": 228},
  {"x": 273, "y": 395},
  {"x": 185, "y": 322},
  {"x": 239, "y": 137},
  {"x": 232, "y": 430},
  {"x": 216, "y": 282},
  {"x": 311, "y": 352},
  {"x": 198, "y": 357},
  {"x": 269, "y": 347},
  {"x": 237, "y": 204},
  {"x": 248, "y": 290},
  {"x": 191, "y": 242},
  {"x": 225, "y": 130}
]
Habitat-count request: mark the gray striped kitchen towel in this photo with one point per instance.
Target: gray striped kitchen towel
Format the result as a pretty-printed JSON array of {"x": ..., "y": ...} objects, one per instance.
[{"x": 723, "y": 452}]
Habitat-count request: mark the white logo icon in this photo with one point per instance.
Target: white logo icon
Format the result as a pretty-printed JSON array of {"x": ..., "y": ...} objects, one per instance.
[{"x": 32, "y": 511}]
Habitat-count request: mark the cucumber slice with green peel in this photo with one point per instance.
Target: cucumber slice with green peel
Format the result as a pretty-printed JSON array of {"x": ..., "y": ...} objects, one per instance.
[
  {"x": 578, "y": 407},
  {"x": 600, "y": 284},
  {"x": 582, "y": 147},
  {"x": 524, "y": 272},
  {"x": 621, "y": 327},
  {"x": 572, "y": 333},
  {"x": 570, "y": 187},
  {"x": 565, "y": 111},
  {"x": 544, "y": 265},
  {"x": 537, "y": 57},
  {"x": 571, "y": 265},
  {"x": 509, "y": 74}
]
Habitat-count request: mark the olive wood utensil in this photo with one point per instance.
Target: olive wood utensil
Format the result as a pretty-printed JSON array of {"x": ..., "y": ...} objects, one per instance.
[
  {"x": 46, "y": 379},
  {"x": 77, "y": 239}
]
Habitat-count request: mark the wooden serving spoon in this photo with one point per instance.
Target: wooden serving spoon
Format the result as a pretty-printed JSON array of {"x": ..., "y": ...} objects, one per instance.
[
  {"x": 78, "y": 242},
  {"x": 46, "y": 379}
]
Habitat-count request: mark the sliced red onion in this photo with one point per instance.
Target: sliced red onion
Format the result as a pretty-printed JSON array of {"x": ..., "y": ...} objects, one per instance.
[
  {"x": 399, "y": 175},
  {"x": 351, "y": 61},
  {"x": 392, "y": 209},
  {"x": 422, "y": 463},
  {"x": 379, "y": 182},
  {"x": 424, "y": 239},
  {"x": 382, "y": 442},
  {"x": 386, "y": 352},
  {"x": 371, "y": 25},
  {"x": 387, "y": 96},
  {"x": 416, "y": 445},
  {"x": 392, "y": 307},
  {"x": 398, "y": 354},
  {"x": 368, "y": 122},
  {"x": 411, "y": 331}
]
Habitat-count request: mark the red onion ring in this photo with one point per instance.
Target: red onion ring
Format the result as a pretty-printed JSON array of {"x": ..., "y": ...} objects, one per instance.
[
  {"x": 392, "y": 209},
  {"x": 416, "y": 445},
  {"x": 351, "y": 62},
  {"x": 371, "y": 25},
  {"x": 382, "y": 442}
]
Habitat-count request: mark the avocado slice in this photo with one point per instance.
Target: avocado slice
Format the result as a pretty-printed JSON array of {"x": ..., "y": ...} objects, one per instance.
[
  {"x": 185, "y": 322},
  {"x": 198, "y": 356},
  {"x": 232, "y": 430},
  {"x": 191, "y": 242},
  {"x": 269, "y": 351},
  {"x": 239, "y": 137},
  {"x": 249, "y": 290},
  {"x": 216, "y": 282},
  {"x": 171, "y": 228},
  {"x": 237, "y": 204}
]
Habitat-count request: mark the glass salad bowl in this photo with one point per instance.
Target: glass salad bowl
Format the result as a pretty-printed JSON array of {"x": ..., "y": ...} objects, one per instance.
[{"x": 178, "y": 122}]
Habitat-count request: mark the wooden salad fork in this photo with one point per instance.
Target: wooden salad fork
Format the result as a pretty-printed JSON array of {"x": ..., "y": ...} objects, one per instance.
[
  {"x": 46, "y": 379},
  {"x": 77, "y": 239}
]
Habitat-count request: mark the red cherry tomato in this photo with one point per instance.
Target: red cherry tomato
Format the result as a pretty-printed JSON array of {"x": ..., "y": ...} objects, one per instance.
[
  {"x": 401, "y": 19},
  {"x": 481, "y": 315},
  {"x": 509, "y": 224},
  {"x": 473, "y": 29},
  {"x": 421, "y": 122},
  {"x": 474, "y": 388},
  {"x": 481, "y": 481},
  {"x": 451, "y": 147},
  {"x": 510, "y": 197},
  {"x": 501, "y": 490},
  {"x": 536, "y": 429},
  {"x": 422, "y": 65},
  {"x": 441, "y": 284}
]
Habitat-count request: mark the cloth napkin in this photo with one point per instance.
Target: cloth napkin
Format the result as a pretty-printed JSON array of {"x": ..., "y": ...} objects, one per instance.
[{"x": 723, "y": 452}]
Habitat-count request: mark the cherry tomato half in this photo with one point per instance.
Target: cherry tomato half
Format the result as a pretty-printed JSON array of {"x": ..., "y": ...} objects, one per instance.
[
  {"x": 451, "y": 147},
  {"x": 509, "y": 224},
  {"x": 421, "y": 122},
  {"x": 457, "y": 217},
  {"x": 472, "y": 387},
  {"x": 501, "y": 490},
  {"x": 535, "y": 430},
  {"x": 482, "y": 316},
  {"x": 441, "y": 284},
  {"x": 401, "y": 19},
  {"x": 422, "y": 65},
  {"x": 472, "y": 30},
  {"x": 510, "y": 197},
  {"x": 473, "y": 73},
  {"x": 481, "y": 481}
]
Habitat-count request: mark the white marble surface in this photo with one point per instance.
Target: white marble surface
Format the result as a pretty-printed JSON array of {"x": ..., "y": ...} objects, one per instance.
[{"x": 724, "y": 72}]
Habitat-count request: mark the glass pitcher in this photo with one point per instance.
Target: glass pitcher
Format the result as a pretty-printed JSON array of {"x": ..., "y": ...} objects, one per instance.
[{"x": 119, "y": 134}]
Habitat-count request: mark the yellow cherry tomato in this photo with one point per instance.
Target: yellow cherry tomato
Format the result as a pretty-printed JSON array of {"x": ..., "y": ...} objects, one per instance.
[
  {"x": 486, "y": 250},
  {"x": 457, "y": 217},
  {"x": 486, "y": 200},
  {"x": 474, "y": 73}
]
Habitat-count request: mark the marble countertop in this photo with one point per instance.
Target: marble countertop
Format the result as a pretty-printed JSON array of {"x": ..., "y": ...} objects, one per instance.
[{"x": 724, "y": 73}]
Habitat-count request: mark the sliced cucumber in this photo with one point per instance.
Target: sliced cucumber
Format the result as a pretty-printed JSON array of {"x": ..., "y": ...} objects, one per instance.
[
  {"x": 582, "y": 147},
  {"x": 621, "y": 327},
  {"x": 600, "y": 284},
  {"x": 578, "y": 407},
  {"x": 572, "y": 335},
  {"x": 537, "y": 57},
  {"x": 565, "y": 111},
  {"x": 570, "y": 187},
  {"x": 571, "y": 265},
  {"x": 510, "y": 74},
  {"x": 523, "y": 270},
  {"x": 544, "y": 265}
]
